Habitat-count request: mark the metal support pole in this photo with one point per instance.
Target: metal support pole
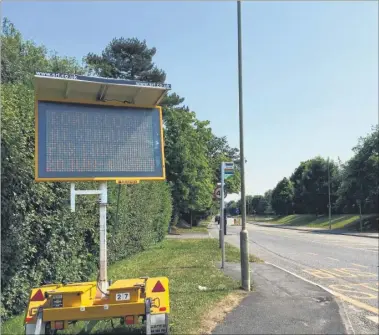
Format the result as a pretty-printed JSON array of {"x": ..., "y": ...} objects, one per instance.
[
  {"x": 330, "y": 205},
  {"x": 103, "y": 283},
  {"x": 222, "y": 237},
  {"x": 244, "y": 246},
  {"x": 360, "y": 216}
]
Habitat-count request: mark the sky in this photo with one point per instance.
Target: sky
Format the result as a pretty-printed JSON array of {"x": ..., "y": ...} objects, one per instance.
[{"x": 310, "y": 69}]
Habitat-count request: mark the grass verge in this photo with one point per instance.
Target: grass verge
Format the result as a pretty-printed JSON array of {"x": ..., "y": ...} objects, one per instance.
[
  {"x": 201, "y": 228},
  {"x": 339, "y": 221},
  {"x": 188, "y": 264}
]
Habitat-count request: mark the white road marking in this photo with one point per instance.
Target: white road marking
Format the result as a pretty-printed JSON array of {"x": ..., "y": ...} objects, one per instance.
[
  {"x": 334, "y": 259},
  {"x": 311, "y": 253}
]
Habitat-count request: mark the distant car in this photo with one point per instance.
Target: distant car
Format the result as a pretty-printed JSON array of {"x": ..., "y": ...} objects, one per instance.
[{"x": 217, "y": 219}]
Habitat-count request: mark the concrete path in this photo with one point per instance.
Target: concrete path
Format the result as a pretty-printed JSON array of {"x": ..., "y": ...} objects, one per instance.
[{"x": 281, "y": 304}]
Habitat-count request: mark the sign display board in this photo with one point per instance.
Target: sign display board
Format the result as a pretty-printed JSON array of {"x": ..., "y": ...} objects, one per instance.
[
  {"x": 97, "y": 142},
  {"x": 228, "y": 170}
]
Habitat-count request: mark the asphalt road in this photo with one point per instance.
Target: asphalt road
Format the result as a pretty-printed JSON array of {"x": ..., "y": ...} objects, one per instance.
[{"x": 347, "y": 266}]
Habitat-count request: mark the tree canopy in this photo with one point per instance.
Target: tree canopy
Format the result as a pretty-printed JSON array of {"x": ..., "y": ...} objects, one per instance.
[{"x": 352, "y": 184}]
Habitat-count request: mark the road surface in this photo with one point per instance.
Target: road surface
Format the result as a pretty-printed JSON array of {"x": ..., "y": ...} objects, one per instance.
[{"x": 346, "y": 265}]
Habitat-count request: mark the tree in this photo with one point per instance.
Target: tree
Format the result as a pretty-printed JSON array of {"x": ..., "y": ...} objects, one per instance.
[
  {"x": 310, "y": 181},
  {"x": 268, "y": 196},
  {"x": 282, "y": 197},
  {"x": 188, "y": 169},
  {"x": 128, "y": 59},
  {"x": 359, "y": 178}
]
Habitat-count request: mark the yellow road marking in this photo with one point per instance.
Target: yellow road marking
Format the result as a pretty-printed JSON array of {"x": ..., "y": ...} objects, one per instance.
[
  {"x": 373, "y": 318},
  {"x": 339, "y": 272},
  {"x": 367, "y": 285},
  {"x": 356, "y": 303},
  {"x": 334, "y": 259},
  {"x": 359, "y": 273},
  {"x": 319, "y": 273},
  {"x": 361, "y": 266},
  {"x": 354, "y": 293}
]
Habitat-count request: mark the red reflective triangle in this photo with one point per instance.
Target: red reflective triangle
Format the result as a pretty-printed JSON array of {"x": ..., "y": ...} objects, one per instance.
[
  {"x": 38, "y": 296},
  {"x": 158, "y": 287}
]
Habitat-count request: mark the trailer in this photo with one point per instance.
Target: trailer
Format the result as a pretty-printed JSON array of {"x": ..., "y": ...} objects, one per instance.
[
  {"x": 144, "y": 301},
  {"x": 66, "y": 107}
]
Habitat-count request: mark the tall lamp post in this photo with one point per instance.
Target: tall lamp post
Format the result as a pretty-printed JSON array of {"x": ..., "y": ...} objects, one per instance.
[
  {"x": 329, "y": 203},
  {"x": 244, "y": 246}
]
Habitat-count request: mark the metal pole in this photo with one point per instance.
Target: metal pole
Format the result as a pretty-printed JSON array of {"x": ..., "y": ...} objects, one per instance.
[
  {"x": 330, "y": 206},
  {"x": 222, "y": 237},
  {"x": 360, "y": 216},
  {"x": 219, "y": 223},
  {"x": 244, "y": 246},
  {"x": 103, "y": 283}
]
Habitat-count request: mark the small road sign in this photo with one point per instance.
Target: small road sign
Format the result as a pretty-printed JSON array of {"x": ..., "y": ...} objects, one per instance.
[{"x": 217, "y": 193}]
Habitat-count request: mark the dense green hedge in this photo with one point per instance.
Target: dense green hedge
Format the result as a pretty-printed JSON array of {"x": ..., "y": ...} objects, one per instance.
[{"x": 40, "y": 238}]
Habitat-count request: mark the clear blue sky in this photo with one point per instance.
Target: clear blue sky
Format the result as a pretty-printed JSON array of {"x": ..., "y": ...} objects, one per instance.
[{"x": 310, "y": 68}]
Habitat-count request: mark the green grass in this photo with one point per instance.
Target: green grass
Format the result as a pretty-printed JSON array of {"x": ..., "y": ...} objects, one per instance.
[
  {"x": 201, "y": 228},
  {"x": 187, "y": 264},
  {"x": 259, "y": 217},
  {"x": 338, "y": 221}
]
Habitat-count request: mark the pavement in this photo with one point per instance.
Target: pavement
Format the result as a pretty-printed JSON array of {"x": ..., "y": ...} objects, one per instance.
[
  {"x": 345, "y": 267},
  {"x": 281, "y": 304}
]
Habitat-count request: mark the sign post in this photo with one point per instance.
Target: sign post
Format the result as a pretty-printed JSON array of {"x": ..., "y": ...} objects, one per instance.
[{"x": 227, "y": 170}]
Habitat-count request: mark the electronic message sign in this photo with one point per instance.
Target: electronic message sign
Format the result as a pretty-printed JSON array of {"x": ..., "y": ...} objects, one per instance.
[{"x": 94, "y": 140}]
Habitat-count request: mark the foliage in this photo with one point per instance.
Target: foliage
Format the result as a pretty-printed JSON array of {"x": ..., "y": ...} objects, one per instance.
[
  {"x": 310, "y": 180},
  {"x": 188, "y": 169},
  {"x": 127, "y": 58},
  {"x": 35, "y": 216},
  {"x": 282, "y": 197},
  {"x": 359, "y": 178}
]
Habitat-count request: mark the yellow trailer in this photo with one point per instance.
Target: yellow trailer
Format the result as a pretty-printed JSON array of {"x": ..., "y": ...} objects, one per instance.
[{"x": 133, "y": 301}]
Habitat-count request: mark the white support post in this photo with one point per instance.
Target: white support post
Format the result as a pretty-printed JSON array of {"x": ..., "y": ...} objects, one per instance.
[
  {"x": 222, "y": 228},
  {"x": 103, "y": 192},
  {"x": 103, "y": 282},
  {"x": 72, "y": 197}
]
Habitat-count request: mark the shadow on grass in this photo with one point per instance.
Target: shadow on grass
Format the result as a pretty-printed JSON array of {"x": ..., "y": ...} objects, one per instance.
[
  {"x": 121, "y": 330},
  {"x": 174, "y": 268}
]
